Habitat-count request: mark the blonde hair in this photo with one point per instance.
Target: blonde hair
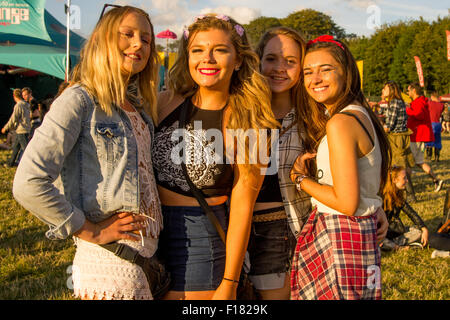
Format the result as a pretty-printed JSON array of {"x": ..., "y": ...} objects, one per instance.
[
  {"x": 250, "y": 94},
  {"x": 100, "y": 67}
]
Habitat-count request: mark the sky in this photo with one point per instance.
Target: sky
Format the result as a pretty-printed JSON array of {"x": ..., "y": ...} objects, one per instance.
[{"x": 360, "y": 17}]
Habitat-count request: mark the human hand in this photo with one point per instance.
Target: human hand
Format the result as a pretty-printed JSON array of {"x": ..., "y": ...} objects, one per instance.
[
  {"x": 300, "y": 166},
  {"x": 424, "y": 239},
  {"x": 3, "y": 130},
  {"x": 225, "y": 291},
  {"x": 117, "y": 227},
  {"x": 382, "y": 225}
]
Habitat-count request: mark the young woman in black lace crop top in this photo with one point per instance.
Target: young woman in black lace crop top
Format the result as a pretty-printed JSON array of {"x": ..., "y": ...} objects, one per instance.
[{"x": 215, "y": 82}]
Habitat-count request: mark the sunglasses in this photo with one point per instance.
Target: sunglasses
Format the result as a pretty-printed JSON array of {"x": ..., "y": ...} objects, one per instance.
[{"x": 106, "y": 5}]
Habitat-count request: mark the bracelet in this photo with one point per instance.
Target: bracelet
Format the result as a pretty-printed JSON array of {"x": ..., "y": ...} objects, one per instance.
[
  {"x": 298, "y": 181},
  {"x": 230, "y": 280}
]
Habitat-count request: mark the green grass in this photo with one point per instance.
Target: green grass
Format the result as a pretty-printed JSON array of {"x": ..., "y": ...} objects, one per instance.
[{"x": 33, "y": 267}]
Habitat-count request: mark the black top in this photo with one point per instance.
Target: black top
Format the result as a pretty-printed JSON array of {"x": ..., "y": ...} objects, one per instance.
[
  {"x": 396, "y": 226},
  {"x": 270, "y": 189},
  {"x": 204, "y": 150}
]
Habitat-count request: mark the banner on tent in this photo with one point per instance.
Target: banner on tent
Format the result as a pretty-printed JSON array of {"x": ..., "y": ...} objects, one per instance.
[{"x": 23, "y": 17}]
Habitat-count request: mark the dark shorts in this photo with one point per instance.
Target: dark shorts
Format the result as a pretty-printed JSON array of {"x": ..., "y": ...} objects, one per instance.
[
  {"x": 271, "y": 246},
  {"x": 191, "y": 247}
]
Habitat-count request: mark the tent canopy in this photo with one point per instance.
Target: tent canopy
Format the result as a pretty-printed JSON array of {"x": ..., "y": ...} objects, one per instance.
[{"x": 35, "y": 52}]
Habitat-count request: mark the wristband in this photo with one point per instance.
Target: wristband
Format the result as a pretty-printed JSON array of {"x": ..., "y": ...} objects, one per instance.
[
  {"x": 230, "y": 280},
  {"x": 298, "y": 181}
]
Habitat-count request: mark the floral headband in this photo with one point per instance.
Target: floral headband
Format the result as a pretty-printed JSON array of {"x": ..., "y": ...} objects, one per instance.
[
  {"x": 325, "y": 38},
  {"x": 238, "y": 28}
]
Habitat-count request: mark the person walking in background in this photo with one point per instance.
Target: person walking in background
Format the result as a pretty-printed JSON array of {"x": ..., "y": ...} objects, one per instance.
[
  {"x": 397, "y": 131},
  {"x": 446, "y": 118},
  {"x": 20, "y": 122},
  {"x": 420, "y": 123},
  {"x": 338, "y": 244},
  {"x": 88, "y": 172},
  {"x": 27, "y": 96},
  {"x": 280, "y": 211},
  {"x": 436, "y": 109},
  {"x": 214, "y": 84},
  {"x": 35, "y": 119}
]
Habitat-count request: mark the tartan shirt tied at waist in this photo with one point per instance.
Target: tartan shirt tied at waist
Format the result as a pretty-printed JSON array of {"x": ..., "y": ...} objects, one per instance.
[
  {"x": 396, "y": 117},
  {"x": 296, "y": 204}
]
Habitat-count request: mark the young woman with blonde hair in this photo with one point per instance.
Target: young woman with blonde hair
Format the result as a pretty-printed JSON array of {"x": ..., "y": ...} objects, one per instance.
[
  {"x": 215, "y": 82},
  {"x": 88, "y": 172}
]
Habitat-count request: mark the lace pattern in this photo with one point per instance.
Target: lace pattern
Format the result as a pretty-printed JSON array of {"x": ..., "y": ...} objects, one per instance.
[
  {"x": 150, "y": 204},
  {"x": 99, "y": 274}
]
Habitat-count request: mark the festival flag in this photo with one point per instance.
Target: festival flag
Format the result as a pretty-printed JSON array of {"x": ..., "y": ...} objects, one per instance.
[
  {"x": 360, "y": 64},
  {"x": 419, "y": 71},
  {"x": 448, "y": 44}
]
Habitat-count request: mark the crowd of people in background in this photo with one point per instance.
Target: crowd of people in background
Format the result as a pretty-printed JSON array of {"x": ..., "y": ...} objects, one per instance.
[{"x": 312, "y": 230}]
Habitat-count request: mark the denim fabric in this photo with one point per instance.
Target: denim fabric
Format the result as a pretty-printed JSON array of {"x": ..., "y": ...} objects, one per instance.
[
  {"x": 81, "y": 164},
  {"x": 271, "y": 247},
  {"x": 19, "y": 145},
  {"x": 191, "y": 247}
]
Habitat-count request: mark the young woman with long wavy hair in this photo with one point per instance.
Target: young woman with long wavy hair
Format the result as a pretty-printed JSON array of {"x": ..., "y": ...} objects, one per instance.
[
  {"x": 88, "y": 173},
  {"x": 337, "y": 250},
  {"x": 216, "y": 82}
]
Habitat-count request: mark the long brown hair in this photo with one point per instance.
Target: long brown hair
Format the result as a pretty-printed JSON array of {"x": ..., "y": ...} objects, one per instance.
[
  {"x": 351, "y": 92},
  {"x": 393, "y": 197},
  {"x": 100, "y": 67},
  {"x": 394, "y": 91},
  {"x": 298, "y": 90}
]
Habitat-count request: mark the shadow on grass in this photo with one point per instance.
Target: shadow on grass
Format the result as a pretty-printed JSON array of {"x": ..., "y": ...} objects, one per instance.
[{"x": 43, "y": 284}]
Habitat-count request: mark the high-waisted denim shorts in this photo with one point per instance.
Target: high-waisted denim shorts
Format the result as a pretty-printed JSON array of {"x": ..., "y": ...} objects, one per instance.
[{"x": 191, "y": 247}]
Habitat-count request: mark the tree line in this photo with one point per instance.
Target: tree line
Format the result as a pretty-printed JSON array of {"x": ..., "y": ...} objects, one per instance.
[{"x": 388, "y": 54}]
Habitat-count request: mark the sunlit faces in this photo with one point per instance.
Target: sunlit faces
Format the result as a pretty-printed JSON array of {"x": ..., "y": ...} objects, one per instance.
[
  {"x": 134, "y": 42},
  {"x": 400, "y": 180},
  {"x": 281, "y": 63},
  {"x": 212, "y": 59},
  {"x": 324, "y": 77}
]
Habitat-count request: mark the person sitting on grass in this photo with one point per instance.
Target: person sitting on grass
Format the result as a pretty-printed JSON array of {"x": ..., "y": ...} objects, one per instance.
[{"x": 398, "y": 235}]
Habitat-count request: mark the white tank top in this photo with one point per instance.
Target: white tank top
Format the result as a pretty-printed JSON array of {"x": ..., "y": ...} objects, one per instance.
[{"x": 369, "y": 174}]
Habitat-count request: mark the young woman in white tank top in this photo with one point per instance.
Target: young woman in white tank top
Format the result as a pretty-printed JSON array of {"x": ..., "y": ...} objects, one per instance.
[{"x": 337, "y": 255}]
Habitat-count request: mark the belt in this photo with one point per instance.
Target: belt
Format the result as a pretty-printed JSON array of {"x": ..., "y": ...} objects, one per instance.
[{"x": 271, "y": 216}]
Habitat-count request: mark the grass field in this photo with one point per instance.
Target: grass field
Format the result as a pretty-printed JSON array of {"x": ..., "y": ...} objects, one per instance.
[{"x": 33, "y": 267}]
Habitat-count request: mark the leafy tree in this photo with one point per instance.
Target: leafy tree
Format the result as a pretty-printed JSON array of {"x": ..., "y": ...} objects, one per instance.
[
  {"x": 312, "y": 23},
  {"x": 256, "y": 28}
]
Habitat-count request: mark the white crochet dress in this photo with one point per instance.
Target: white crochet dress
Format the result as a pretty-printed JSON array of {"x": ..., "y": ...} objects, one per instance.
[{"x": 97, "y": 272}]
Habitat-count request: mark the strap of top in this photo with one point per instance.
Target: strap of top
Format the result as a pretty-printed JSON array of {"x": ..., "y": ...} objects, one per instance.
[{"x": 360, "y": 122}]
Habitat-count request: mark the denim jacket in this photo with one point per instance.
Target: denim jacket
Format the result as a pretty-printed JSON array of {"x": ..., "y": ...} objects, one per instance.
[{"x": 81, "y": 164}]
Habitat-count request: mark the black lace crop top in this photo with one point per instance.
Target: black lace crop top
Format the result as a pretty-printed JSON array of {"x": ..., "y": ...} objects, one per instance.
[{"x": 207, "y": 166}]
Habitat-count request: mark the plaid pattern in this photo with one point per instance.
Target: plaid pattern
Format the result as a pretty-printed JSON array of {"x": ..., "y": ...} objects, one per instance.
[
  {"x": 334, "y": 259},
  {"x": 396, "y": 117},
  {"x": 296, "y": 204}
]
